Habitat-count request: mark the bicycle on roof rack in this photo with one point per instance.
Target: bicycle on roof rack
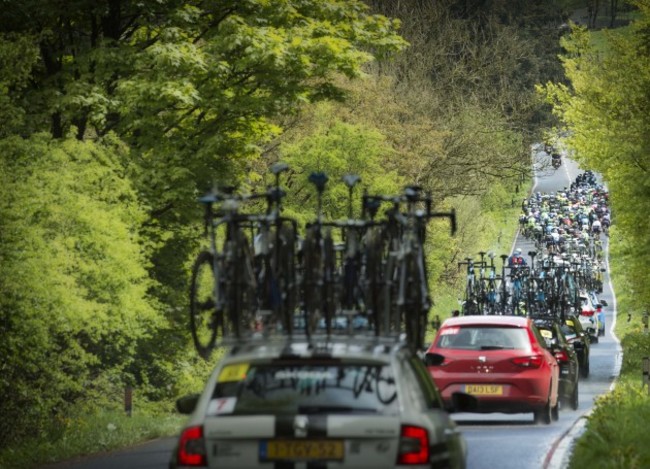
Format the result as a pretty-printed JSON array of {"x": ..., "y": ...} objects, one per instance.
[
  {"x": 492, "y": 288},
  {"x": 356, "y": 275},
  {"x": 238, "y": 287},
  {"x": 470, "y": 305},
  {"x": 395, "y": 262}
]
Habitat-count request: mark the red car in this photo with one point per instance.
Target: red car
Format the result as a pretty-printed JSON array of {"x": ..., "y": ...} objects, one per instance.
[{"x": 502, "y": 360}]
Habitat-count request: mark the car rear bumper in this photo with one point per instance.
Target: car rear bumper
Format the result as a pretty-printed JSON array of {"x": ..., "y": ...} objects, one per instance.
[{"x": 517, "y": 396}]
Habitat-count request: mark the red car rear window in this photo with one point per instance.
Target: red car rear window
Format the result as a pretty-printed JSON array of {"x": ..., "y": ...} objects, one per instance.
[{"x": 483, "y": 338}]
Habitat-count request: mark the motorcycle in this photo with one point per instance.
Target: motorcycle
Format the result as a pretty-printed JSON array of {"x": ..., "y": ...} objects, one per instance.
[{"x": 556, "y": 161}]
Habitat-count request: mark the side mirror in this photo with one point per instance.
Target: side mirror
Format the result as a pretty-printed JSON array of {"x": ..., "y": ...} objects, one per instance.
[
  {"x": 463, "y": 402},
  {"x": 187, "y": 404},
  {"x": 433, "y": 359}
]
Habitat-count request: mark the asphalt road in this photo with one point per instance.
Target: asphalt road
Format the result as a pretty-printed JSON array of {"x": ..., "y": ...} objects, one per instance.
[{"x": 495, "y": 440}]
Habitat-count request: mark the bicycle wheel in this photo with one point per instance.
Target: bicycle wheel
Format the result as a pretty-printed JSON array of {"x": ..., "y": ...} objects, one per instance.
[
  {"x": 329, "y": 294},
  {"x": 240, "y": 286},
  {"x": 416, "y": 306},
  {"x": 205, "y": 315},
  {"x": 285, "y": 268},
  {"x": 372, "y": 280},
  {"x": 407, "y": 300},
  {"x": 393, "y": 275},
  {"x": 311, "y": 288}
]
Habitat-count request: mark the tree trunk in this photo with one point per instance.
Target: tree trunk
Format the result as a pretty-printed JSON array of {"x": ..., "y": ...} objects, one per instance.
[
  {"x": 592, "y": 8},
  {"x": 613, "y": 10}
]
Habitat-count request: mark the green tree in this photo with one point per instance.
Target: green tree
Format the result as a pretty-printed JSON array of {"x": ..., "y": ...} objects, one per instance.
[
  {"x": 338, "y": 148},
  {"x": 75, "y": 306}
]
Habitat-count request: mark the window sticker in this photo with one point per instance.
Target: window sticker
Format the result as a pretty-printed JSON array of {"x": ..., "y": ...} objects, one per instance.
[
  {"x": 223, "y": 405},
  {"x": 450, "y": 331},
  {"x": 304, "y": 374},
  {"x": 236, "y": 372},
  {"x": 546, "y": 334}
]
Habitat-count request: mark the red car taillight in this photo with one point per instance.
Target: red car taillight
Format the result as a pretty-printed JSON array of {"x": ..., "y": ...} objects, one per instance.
[
  {"x": 413, "y": 446},
  {"x": 587, "y": 313},
  {"x": 533, "y": 361},
  {"x": 191, "y": 448},
  {"x": 561, "y": 356}
]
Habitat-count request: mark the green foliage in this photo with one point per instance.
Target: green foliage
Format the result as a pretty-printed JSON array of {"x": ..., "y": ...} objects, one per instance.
[
  {"x": 18, "y": 54},
  {"x": 190, "y": 88},
  {"x": 75, "y": 302},
  {"x": 615, "y": 431},
  {"x": 629, "y": 326},
  {"x": 338, "y": 148},
  {"x": 636, "y": 345}
]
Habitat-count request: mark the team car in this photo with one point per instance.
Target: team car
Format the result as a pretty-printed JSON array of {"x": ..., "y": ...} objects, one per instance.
[
  {"x": 576, "y": 336},
  {"x": 588, "y": 317},
  {"x": 551, "y": 329},
  {"x": 355, "y": 403},
  {"x": 599, "y": 303}
]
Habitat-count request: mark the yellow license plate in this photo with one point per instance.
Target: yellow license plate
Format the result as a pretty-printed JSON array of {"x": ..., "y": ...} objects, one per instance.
[
  {"x": 484, "y": 389},
  {"x": 331, "y": 450}
]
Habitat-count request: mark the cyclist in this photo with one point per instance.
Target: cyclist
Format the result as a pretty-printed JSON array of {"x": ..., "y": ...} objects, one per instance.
[
  {"x": 516, "y": 260},
  {"x": 606, "y": 222},
  {"x": 556, "y": 159},
  {"x": 596, "y": 227}
]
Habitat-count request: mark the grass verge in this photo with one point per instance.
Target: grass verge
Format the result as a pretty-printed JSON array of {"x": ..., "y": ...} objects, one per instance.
[{"x": 91, "y": 433}]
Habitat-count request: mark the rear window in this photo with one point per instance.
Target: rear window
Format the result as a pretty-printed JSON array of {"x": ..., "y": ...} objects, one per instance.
[
  {"x": 483, "y": 338},
  {"x": 244, "y": 389},
  {"x": 548, "y": 333},
  {"x": 568, "y": 330}
]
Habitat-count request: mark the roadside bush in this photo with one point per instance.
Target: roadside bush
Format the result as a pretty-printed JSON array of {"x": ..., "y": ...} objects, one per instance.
[
  {"x": 75, "y": 305},
  {"x": 636, "y": 345},
  {"x": 614, "y": 438}
]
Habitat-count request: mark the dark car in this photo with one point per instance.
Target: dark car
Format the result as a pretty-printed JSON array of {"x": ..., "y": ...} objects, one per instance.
[
  {"x": 580, "y": 340},
  {"x": 361, "y": 402},
  {"x": 566, "y": 356}
]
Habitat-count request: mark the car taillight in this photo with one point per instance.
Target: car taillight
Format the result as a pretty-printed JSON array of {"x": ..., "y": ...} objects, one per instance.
[
  {"x": 533, "y": 361},
  {"x": 413, "y": 446},
  {"x": 191, "y": 448},
  {"x": 561, "y": 356},
  {"x": 587, "y": 313}
]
